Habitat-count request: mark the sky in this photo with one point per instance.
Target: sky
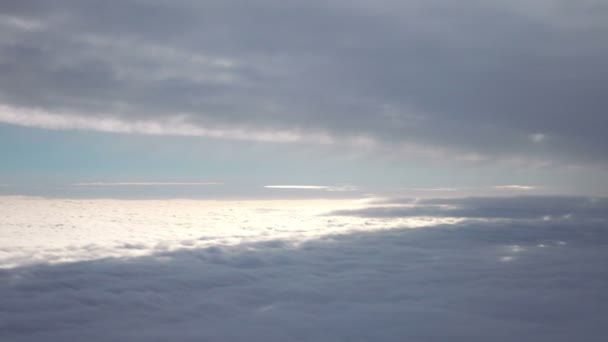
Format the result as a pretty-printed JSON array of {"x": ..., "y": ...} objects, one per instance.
[
  {"x": 366, "y": 96},
  {"x": 322, "y": 170}
]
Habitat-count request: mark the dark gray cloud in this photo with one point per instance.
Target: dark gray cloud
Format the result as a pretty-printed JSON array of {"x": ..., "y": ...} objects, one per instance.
[
  {"x": 524, "y": 207},
  {"x": 508, "y": 79}
]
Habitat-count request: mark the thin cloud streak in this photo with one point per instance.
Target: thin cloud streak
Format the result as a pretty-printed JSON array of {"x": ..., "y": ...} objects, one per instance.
[
  {"x": 176, "y": 125},
  {"x": 179, "y": 125},
  {"x": 515, "y": 187},
  {"x": 437, "y": 189},
  {"x": 305, "y": 187},
  {"x": 313, "y": 187},
  {"x": 147, "y": 184}
]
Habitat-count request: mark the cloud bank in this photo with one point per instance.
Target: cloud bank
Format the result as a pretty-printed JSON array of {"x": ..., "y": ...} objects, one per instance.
[
  {"x": 530, "y": 280},
  {"x": 513, "y": 80},
  {"x": 514, "y": 208}
]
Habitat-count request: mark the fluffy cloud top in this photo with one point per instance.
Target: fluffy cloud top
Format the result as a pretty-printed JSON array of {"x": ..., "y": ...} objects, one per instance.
[{"x": 505, "y": 280}]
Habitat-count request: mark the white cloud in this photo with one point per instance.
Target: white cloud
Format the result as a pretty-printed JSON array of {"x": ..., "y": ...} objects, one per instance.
[
  {"x": 176, "y": 125},
  {"x": 514, "y": 187},
  {"x": 146, "y": 184},
  {"x": 44, "y": 230},
  {"x": 314, "y": 187},
  {"x": 276, "y": 271},
  {"x": 436, "y": 189},
  {"x": 303, "y": 187}
]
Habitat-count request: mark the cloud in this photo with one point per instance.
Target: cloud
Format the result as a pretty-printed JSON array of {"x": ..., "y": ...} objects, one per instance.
[
  {"x": 540, "y": 281},
  {"x": 522, "y": 207},
  {"x": 303, "y": 187},
  {"x": 538, "y": 137},
  {"x": 314, "y": 187},
  {"x": 21, "y": 24},
  {"x": 175, "y": 125},
  {"x": 469, "y": 190},
  {"x": 514, "y": 187},
  {"x": 146, "y": 184},
  {"x": 498, "y": 80},
  {"x": 48, "y": 231},
  {"x": 436, "y": 189}
]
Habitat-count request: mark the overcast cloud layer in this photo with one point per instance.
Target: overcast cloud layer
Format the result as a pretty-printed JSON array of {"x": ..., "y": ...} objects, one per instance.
[
  {"x": 514, "y": 80},
  {"x": 282, "y": 271}
]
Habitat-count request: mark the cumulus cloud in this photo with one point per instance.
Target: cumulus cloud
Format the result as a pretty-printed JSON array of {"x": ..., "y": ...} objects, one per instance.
[
  {"x": 512, "y": 80},
  {"x": 499, "y": 281}
]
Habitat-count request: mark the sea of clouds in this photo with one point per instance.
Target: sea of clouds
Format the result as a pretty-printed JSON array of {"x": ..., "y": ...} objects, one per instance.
[{"x": 472, "y": 269}]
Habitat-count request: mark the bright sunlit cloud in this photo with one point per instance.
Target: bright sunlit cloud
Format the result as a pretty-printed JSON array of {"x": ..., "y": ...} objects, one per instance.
[
  {"x": 514, "y": 187},
  {"x": 314, "y": 187},
  {"x": 39, "y": 230}
]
